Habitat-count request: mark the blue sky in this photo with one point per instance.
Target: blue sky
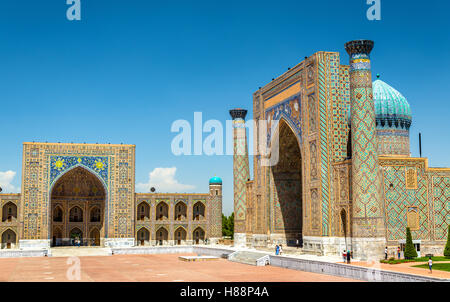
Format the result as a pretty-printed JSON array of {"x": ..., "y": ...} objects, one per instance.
[{"x": 128, "y": 69}]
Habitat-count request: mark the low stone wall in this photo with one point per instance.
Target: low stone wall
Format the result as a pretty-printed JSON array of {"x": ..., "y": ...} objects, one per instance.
[
  {"x": 348, "y": 271},
  {"x": 212, "y": 251},
  {"x": 153, "y": 250},
  {"x": 22, "y": 253}
]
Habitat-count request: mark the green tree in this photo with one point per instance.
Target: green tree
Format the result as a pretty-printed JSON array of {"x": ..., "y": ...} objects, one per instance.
[
  {"x": 410, "y": 251},
  {"x": 447, "y": 246},
  {"x": 228, "y": 225},
  {"x": 231, "y": 224}
]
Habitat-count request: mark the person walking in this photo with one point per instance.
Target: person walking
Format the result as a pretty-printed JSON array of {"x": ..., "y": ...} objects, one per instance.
[
  {"x": 277, "y": 249},
  {"x": 385, "y": 253},
  {"x": 348, "y": 257},
  {"x": 344, "y": 256},
  {"x": 398, "y": 252},
  {"x": 281, "y": 249},
  {"x": 430, "y": 265}
]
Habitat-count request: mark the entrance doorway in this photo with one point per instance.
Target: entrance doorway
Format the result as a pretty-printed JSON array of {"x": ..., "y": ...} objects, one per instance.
[
  {"x": 287, "y": 185},
  {"x": 78, "y": 200}
]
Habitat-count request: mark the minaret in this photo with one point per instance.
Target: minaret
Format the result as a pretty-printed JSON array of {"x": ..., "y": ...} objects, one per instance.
[
  {"x": 215, "y": 209},
  {"x": 368, "y": 220},
  {"x": 241, "y": 174}
]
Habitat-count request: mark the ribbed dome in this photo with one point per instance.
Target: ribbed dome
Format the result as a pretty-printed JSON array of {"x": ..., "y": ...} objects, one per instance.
[
  {"x": 391, "y": 107},
  {"x": 215, "y": 181}
]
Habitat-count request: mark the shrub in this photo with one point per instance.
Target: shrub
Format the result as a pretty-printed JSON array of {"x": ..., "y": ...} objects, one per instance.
[
  {"x": 447, "y": 246},
  {"x": 410, "y": 251}
]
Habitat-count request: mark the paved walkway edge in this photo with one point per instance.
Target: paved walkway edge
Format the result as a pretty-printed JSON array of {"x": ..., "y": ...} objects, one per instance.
[{"x": 306, "y": 265}]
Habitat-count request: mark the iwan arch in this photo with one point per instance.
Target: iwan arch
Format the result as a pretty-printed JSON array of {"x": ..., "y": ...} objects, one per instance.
[
  {"x": 345, "y": 178},
  {"x": 87, "y": 192}
]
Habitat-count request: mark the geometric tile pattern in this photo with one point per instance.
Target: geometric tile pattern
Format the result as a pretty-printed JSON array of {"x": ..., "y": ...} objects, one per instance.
[
  {"x": 241, "y": 172},
  {"x": 397, "y": 201},
  {"x": 365, "y": 169},
  {"x": 54, "y": 161},
  {"x": 441, "y": 203}
]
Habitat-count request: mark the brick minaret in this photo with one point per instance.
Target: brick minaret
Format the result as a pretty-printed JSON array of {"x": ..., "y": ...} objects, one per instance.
[
  {"x": 368, "y": 220},
  {"x": 241, "y": 174},
  {"x": 215, "y": 210}
]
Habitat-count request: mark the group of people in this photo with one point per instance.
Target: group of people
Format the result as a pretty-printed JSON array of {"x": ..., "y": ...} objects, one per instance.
[
  {"x": 430, "y": 261},
  {"x": 347, "y": 255},
  {"x": 77, "y": 241},
  {"x": 386, "y": 253},
  {"x": 278, "y": 249}
]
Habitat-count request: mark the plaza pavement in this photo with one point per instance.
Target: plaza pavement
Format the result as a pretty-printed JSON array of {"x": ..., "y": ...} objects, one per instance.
[{"x": 159, "y": 268}]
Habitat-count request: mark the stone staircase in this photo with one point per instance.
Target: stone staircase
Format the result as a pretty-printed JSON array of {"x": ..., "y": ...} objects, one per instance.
[
  {"x": 79, "y": 251},
  {"x": 251, "y": 258}
]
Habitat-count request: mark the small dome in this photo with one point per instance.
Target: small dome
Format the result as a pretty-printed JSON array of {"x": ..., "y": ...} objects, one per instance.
[
  {"x": 392, "y": 110},
  {"x": 215, "y": 181}
]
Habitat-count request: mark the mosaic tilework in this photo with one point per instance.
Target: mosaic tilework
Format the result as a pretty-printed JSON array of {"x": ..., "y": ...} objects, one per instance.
[
  {"x": 54, "y": 160},
  {"x": 61, "y": 164},
  {"x": 365, "y": 172},
  {"x": 288, "y": 110},
  {"x": 398, "y": 199},
  {"x": 441, "y": 204},
  {"x": 241, "y": 171},
  {"x": 329, "y": 112}
]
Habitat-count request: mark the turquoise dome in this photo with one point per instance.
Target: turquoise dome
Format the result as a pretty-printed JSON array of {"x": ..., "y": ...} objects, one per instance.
[
  {"x": 215, "y": 181},
  {"x": 392, "y": 110}
]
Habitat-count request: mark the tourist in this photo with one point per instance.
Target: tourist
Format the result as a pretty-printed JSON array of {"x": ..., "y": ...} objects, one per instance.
[
  {"x": 277, "y": 249},
  {"x": 430, "y": 265},
  {"x": 398, "y": 251},
  {"x": 280, "y": 251},
  {"x": 348, "y": 257},
  {"x": 385, "y": 253},
  {"x": 344, "y": 256}
]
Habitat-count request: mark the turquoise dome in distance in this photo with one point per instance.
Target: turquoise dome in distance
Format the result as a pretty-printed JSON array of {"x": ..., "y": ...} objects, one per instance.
[
  {"x": 215, "y": 181},
  {"x": 392, "y": 110}
]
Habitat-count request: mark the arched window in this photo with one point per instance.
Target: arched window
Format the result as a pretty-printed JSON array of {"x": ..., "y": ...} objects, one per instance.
[
  {"x": 162, "y": 211},
  {"x": 8, "y": 239},
  {"x": 76, "y": 214},
  {"x": 95, "y": 214},
  {"x": 9, "y": 212},
  {"x": 198, "y": 211},
  {"x": 162, "y": 236},
  {"x": 143, "y": 211},
  {"x": 57, "y": 214},
  {"x": 180, "y": 211},
  {"x": 180, "y": 236},
  {"x": 143, "y": 236},
  {"x": 198, "y": 235}
]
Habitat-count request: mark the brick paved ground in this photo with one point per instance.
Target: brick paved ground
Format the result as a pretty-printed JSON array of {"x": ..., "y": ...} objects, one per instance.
[{"x": 165, "y": 268}]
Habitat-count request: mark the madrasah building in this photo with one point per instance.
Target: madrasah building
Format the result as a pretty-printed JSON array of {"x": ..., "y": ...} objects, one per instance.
[
  {"x": 86, "y": 192},
  {"x": 345, "y": 178}
]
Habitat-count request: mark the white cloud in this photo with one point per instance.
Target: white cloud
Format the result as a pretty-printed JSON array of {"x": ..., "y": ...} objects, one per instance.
[
  {"x": 6, "y": 179},
  {"x": 163, "y": 179}
]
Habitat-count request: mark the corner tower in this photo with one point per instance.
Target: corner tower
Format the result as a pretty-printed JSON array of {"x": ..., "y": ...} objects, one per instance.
[
  {"x": 241, "y": 174},
  {"x": 215, "y": 205},
  {"x": 368, "y": 220}
]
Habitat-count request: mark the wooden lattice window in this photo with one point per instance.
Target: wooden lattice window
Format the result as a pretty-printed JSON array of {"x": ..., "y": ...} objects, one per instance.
[
  {"x": 411, "y": 178},
  {"x": 412, "y": 217}
]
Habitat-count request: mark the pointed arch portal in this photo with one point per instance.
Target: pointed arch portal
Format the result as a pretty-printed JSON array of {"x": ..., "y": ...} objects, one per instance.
[
  {"x": 286, "y": 184},
  {"x": 78, "y": 202}
]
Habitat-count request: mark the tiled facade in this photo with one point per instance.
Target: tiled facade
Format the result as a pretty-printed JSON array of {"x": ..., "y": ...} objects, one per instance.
[
  {"x": 343, "y": 205},
  {"x": 87, "y": 191}
]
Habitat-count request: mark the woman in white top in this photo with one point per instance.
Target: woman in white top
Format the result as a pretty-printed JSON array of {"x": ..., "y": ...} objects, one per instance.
[{"x": 430, "y": 265}]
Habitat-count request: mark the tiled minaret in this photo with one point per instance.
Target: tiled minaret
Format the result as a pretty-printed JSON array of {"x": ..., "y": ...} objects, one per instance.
[
  {"x": 215, "y": 209},
  {"x": 368, "y": 220},
  {"x": 241, "y": 174}
]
